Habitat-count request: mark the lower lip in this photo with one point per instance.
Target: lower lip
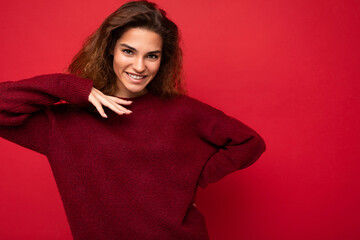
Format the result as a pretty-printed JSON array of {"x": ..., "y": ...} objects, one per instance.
[{"x": 135, "y": 80}]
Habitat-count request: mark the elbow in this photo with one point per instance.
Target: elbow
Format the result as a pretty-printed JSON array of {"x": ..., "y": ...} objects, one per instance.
[
  {"x": 260, "y": 143},
  {"x": 8, "y": 119},
  {"x": 256, "y": 147}
]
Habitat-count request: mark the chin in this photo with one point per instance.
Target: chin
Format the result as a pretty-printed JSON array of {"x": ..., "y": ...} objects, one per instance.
[{"x": 135, "y": 90}]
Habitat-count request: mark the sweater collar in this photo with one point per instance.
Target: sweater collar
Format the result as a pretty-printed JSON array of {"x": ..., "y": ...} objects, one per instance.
[{"x": 138, "y": 98}]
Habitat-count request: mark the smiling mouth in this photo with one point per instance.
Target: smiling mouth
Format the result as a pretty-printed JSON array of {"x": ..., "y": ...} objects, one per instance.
[{"x": 135, "y": 77}]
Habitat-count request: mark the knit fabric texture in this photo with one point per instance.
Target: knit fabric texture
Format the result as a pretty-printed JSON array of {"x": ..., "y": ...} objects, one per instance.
[{"x": 126, "y": 176}]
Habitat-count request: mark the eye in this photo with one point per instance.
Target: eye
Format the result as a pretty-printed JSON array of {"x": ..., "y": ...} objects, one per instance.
[
  {"x": 153, "y": 56},
  {"x": 127, "y": 51}
]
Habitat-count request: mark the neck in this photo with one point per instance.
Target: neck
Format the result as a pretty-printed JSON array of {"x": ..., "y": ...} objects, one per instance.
[{"x": 130, "y": 95}]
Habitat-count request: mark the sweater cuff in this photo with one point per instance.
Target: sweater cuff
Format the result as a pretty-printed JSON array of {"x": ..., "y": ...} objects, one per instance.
[{"x": 77, "y": 89}]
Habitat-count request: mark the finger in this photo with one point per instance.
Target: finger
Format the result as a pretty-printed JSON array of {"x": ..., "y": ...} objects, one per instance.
[
  {"x": 113, "y": 98},
  {"x": 118, "y": 110},
  {"x": 106, "y": 100},
  {"x": 119, "y": 100},
  {"x": 118, "y": 105},
  {"x": 113, "y": 106},
  {"x": 99, "y": 108}
]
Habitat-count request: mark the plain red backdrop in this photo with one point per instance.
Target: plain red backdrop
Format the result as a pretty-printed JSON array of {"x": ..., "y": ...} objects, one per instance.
[{"x": 288, "y": 69}]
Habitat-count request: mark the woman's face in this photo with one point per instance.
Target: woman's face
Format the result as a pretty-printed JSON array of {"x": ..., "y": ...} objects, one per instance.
[{"x": 137, "y": 56}]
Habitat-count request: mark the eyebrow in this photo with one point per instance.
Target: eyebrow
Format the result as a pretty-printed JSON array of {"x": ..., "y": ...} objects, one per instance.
[{"x": 127, "y": 46}]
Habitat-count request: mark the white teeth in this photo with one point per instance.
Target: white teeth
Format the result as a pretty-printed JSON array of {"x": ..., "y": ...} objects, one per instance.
[{"x": 135, "y": 77}]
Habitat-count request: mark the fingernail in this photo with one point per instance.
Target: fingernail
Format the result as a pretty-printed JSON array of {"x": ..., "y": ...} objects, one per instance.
[{"x": 105, "y": 116}]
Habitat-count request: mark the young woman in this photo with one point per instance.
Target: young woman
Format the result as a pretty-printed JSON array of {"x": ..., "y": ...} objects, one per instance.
[{"x": 128, "y": 148}]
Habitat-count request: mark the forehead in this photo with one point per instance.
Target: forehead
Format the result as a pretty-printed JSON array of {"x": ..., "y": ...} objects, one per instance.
[{"x": 141, "y": 39}]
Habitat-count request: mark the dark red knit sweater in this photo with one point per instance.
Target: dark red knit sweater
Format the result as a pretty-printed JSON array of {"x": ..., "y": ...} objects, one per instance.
[{"x": 128, "y": 176}]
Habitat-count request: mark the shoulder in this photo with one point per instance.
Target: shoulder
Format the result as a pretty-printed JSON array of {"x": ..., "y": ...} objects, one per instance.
[
  {"x": 195, "y": 105},
  {"x": 191, "y": 110}
]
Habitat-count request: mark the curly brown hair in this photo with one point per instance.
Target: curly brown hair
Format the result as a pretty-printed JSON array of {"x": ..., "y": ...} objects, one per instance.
[{"x": 95, "y": 61}]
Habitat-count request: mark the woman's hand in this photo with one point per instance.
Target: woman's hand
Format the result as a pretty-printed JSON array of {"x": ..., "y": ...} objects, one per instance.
[{"x": 97, "y": 98}]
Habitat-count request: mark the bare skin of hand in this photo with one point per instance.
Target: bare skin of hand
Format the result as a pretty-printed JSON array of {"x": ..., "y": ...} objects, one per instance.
[{"x": 98, "y": 99}]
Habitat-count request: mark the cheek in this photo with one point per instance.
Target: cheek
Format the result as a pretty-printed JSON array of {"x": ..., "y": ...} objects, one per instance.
[
  {"x": 155, "y": 67},
  {"x": 120, "y": 62}
]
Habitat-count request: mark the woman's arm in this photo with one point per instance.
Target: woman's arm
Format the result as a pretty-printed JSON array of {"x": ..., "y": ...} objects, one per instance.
[
  {"x": 19, "y": 99},
  {"x": 24, "y": 112},
  {"x": 238, "y": 147}
]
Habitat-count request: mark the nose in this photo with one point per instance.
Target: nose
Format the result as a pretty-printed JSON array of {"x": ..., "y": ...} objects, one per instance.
[{"x": 139, "y": 65}]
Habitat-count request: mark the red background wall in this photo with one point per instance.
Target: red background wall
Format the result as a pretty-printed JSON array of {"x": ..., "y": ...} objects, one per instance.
[{"x": 289, "y": 69}]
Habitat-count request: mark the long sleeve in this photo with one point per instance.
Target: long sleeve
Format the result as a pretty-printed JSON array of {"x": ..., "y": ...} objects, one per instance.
[
  {"x": 238, "y": 147},
  {"x": 24, "y": 106}
]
